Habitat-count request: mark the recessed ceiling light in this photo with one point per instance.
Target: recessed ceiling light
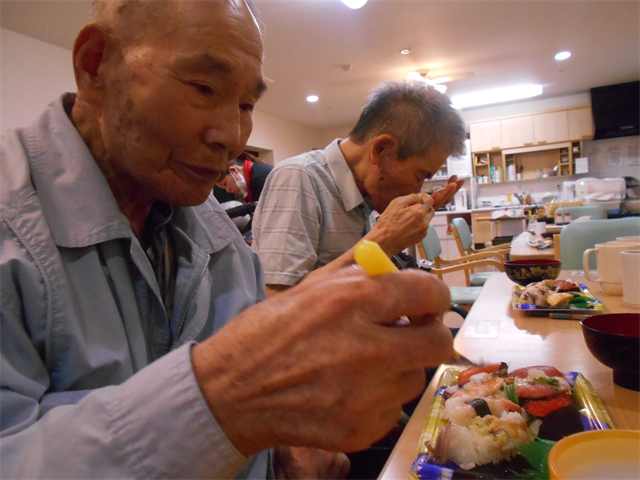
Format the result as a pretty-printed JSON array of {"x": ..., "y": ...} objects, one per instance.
[
  {"x": 405, "y": 51},
  {"x": 354, "y": 4},
  {"x": 562, "y": 55},
  {"x": 312, "y": 98},
  {"x": 497, "y": 95}
]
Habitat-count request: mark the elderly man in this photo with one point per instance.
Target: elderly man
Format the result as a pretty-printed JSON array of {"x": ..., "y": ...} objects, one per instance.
[
  {"x": 132, "y": 345},
  {"x": 315, "y": 207}
]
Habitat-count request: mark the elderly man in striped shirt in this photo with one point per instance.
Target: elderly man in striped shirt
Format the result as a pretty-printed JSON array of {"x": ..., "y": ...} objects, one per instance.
[{"x": 316, "y": 206}]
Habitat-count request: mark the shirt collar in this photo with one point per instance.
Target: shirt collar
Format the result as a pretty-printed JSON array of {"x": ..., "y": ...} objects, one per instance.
[
  {"x": 77, "y": 200},
  {"x": 351, "y": 196}
]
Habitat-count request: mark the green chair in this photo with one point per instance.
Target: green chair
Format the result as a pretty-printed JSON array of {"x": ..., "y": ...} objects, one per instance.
[
  {"x": 464, "y": 241},
  {"x": 596, "y": 212},
  {"x": 431, "y": 250},
  {"x": 577, "y": 237}
]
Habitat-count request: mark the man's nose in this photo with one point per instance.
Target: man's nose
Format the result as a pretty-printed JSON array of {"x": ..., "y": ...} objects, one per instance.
[{"x": 225, "y": 129}]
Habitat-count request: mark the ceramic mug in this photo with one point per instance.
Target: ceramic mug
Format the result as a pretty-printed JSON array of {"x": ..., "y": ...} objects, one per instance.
[
  {"x": 609, "y": 264},
  {"x": 631, "y": 277},
  {"x": 628, "y": 239},
  {"x": 539, "y": 228}
]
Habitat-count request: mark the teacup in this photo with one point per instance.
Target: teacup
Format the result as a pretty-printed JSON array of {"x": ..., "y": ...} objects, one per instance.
[
  {"x": 628, "y": 239},
  {"x": 609, "y": 265},
  {"x": 631, "y": 277}
]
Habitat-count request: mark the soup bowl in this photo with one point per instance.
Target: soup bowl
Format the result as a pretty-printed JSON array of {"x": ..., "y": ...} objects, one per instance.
[
  {"x": 524, "y": 272},
  {"x": 614, "y": 339}
]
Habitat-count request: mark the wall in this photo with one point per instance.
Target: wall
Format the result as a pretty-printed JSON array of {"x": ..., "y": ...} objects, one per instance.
[
  {"x": 34, "y": 73},
  {"x": 283, "y": 138},
  {"x": 329, "y": 136}
]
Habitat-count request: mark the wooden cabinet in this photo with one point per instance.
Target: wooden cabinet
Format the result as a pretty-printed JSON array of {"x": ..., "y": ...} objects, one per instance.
[
  {"x": 481, "y": 227},
  {"x": 517, "y": 131},
  {"x": 539, "y": 128},
  {"x": 580, "y": 123},
  {"x": 485, "y": 136},
  {"x": 550, "y": 127},
  {"x": 447, "y": 242}
]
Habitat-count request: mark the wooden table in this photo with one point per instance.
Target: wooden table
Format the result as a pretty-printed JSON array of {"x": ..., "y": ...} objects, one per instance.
[
  {"x": 493, "y": 332},
  {"x": 525, "y": 252}
]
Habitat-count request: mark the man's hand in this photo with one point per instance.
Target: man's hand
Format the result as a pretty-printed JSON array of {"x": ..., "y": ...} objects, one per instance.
[
  {"x": 445, "y": 195},
  {"x": 309, "y": 464},
  {"x": 403, "y": 223},
  {"x": 323, "y": 364}
]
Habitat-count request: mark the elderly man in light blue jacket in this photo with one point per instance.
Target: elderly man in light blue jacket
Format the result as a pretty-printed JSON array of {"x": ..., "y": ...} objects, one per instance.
[{"x": 133, "y": 337}]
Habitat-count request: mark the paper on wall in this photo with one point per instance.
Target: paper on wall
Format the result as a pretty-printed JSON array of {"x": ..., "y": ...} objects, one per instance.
[{"x": 581, "y": 165}]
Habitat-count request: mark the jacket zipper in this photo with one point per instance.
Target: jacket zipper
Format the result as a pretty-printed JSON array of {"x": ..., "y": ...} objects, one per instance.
[{"x": 186, "y": 310}]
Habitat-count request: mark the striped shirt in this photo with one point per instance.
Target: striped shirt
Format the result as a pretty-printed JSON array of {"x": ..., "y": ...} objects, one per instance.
[{"x": 309, "y": 214}]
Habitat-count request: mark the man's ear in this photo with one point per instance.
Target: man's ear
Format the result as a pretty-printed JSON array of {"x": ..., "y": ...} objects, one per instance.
[
  {"x": 383, "y": 148},
  {"x": 88, "y": 55}
]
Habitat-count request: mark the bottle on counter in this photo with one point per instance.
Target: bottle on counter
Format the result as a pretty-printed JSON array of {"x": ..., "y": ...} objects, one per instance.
[{"x": 509, "y": 198}]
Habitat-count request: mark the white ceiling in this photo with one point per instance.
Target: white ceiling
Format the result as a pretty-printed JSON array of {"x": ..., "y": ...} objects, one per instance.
[{"x": 502, "y": 42}]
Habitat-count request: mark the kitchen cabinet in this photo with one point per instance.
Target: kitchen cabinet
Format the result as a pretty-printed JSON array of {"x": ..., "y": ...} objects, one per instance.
[
  {"x": 488, "y": 167},
  {"x": 580, "y": 123},
  {"x": 533, "y": 129},
  {"x": 447, "y": 242},
  {"x": 550, "y": 127},
  {"x": 485, "y": 136},
  {"x": 481, "y": 227},
  {"x": 517, "y": 131}
]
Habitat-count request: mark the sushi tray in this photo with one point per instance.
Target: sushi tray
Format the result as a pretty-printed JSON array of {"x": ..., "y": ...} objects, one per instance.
[
  {"x": 507, "y": 433},
  {"x": 560, "y": 299}
]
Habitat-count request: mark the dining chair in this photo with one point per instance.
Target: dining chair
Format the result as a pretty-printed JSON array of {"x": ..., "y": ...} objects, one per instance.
[
  {"x": 596, "y": 212},
  {"x": 577, "y": 237},
  {"x": 431, "y": 250},
  {"x": 464, "y": 241}
]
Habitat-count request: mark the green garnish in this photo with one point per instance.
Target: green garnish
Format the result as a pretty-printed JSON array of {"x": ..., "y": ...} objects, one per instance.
[
  {"x": 536, "y": 453},
  {"x": 547, "y": 381},
  {"x": 510, "y": 390}
]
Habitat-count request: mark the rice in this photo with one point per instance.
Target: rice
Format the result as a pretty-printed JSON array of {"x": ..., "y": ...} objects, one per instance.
[{"x": 487, "y": 440}]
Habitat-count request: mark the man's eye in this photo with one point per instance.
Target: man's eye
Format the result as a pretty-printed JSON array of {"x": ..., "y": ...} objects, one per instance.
[
  {"x": 247, "y": 107},
  {"x": 203, "y": 88}
]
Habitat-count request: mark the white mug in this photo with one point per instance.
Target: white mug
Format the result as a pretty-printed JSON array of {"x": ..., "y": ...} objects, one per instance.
[
  {"x": 539, "y": 228},
  {"x": 628, "y": 239},
  {"x": 631, "y": 277},
  {"x": 609, "y": 265}
]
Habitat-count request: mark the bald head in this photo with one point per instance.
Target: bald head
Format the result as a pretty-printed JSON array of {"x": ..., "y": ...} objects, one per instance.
[{"x": 139, "y": 21}]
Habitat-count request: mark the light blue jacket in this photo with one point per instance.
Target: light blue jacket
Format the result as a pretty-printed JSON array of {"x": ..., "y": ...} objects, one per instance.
[{"x": 82, "y": 322}]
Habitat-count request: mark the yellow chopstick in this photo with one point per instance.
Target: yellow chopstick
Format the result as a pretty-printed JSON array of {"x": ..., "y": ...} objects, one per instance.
[{"x": 374, "y": 261}]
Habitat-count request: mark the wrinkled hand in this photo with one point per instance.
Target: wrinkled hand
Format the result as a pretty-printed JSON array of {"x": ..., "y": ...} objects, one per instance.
[
  {"x": 403, "y": 223},
  {"x": 322, "y": 365},
  {"x": 445, "y": 195},
  {"x": 309, "y": 464}
]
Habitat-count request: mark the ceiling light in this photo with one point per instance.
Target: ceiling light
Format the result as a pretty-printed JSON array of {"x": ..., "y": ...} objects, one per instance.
[
  {"x": 497, "y": 95},
  {"x": 562, "y": 55},
  {"x": 312, "y": 98},
  {"x": 441, "y": 88},
  {"x": 354, "y": 4},
  {"x": 405, "y": 51},
  {"x": 415, "y": 76}
]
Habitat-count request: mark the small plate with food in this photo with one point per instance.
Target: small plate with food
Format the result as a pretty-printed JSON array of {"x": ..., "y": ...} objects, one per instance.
[
  {"x": 556, "y": 297},
  {"x": 487, "y": 422}
]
